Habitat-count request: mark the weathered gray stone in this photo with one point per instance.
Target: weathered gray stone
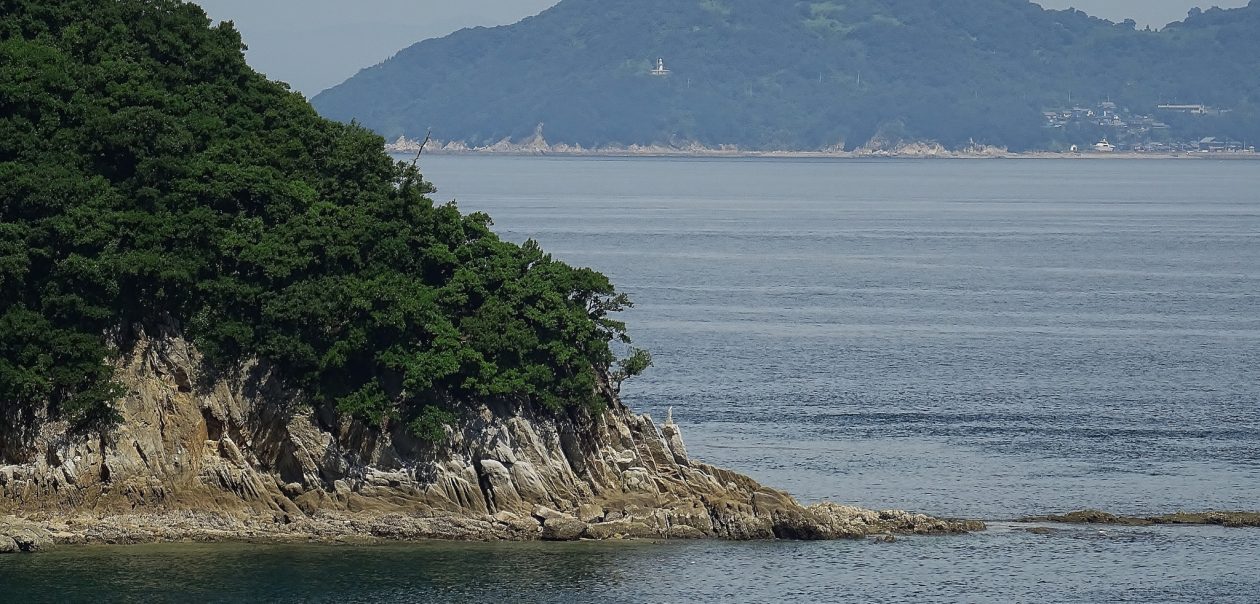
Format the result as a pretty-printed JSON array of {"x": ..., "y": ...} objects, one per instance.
[
  {"x": 638, "y": 480},
  {"x": 27, "y": 536},
  {"x": 590, "y": 512},
  {"x": 674, "y": 440},
  {"x": 510, "y": 518},
  {"x": 620, "y": 529},
  {"x": 685, "y": 532},
  {"x": 502, "y": 492},
  {"x": 528, "y": 485},
  {"x": 563, "y": 529},
  {"x": 387, "y": 479},
  {"x": 544, "y": 513},
  {"x": 626, "y": 459},
  {"x": 519, "y": 527}
]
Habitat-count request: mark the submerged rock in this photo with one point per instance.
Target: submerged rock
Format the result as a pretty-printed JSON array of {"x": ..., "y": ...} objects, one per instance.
[{"x": 242, "y": 458}]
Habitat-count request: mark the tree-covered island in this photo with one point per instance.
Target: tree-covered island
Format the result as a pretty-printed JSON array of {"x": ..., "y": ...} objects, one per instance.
[
  {"x": 149, "y": 176},
  {"x": 223, "y": 317}
]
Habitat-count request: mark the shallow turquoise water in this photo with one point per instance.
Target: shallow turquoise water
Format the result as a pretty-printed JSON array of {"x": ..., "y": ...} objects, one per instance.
[{"x": 970, "y": 338}]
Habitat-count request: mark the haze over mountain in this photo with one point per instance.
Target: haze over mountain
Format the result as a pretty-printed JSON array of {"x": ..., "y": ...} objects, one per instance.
[
  {"x": 804, "y": 75},
  {"x": 314, "y": 44}
]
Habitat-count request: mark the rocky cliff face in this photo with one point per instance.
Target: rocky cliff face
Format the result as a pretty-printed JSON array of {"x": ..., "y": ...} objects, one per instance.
[{"x": 241, "y": 458}]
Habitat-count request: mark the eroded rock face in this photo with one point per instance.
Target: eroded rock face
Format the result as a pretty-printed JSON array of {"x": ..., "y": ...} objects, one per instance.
[{"x": 242, "y": 458}]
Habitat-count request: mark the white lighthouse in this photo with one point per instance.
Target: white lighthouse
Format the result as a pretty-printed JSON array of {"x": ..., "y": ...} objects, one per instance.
[{"x": 660, "y": 68}]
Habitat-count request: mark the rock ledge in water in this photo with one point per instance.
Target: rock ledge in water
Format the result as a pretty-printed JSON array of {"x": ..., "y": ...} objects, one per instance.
[
  {"x": 243, "y": 459},
  {"x": 1226, "y": 519}
]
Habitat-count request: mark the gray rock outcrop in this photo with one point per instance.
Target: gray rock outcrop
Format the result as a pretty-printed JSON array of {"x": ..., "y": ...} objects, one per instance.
[
  {"x": 241, "y": 457},
  {"x": 17, "y": 535}
]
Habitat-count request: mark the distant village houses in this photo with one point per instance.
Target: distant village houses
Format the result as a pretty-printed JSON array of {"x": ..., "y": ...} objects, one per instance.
[
  {"x": 1106, "y": 115},
  {"x": 1213, "y": 144},
  {"x": 1123, "y": 130}
]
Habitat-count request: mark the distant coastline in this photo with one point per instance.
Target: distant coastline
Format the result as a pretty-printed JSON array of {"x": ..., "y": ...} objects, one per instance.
[{"x": 539, "y": 147}]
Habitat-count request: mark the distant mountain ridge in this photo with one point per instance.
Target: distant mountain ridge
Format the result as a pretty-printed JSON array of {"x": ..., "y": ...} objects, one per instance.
[{"x": 782, "y": 74}]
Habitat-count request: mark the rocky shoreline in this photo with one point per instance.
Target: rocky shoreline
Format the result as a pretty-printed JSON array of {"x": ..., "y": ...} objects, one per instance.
[
  {"x": 538, "y": 146},
  {"x": 239, "y": 458},
  {"x": 44, "y": 532}
]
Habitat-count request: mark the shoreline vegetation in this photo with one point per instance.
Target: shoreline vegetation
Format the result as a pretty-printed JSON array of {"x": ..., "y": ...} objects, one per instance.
[{"x": 917, "y": 150}]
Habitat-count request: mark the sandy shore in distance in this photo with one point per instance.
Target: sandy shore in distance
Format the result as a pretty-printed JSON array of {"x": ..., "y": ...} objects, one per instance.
[{"x": 839, "y": 155}]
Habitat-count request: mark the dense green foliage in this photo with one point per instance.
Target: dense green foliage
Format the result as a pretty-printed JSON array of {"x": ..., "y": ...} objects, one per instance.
[
  {"x": 803, "y": 74},
  {"x": 635, "y": 363},
  {"x": 148, "y": 176}
]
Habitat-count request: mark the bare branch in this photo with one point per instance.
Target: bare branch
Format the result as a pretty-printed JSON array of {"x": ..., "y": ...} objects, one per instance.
[{"x": 427, "y": 137}]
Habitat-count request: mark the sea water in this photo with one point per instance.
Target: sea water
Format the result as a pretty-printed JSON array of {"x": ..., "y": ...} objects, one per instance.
[{"x": 986, "y": 339}]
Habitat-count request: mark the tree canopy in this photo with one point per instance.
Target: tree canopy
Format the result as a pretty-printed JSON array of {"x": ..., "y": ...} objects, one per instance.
[
  {"x": 148, "y": 175},
  {"x": 793, "y": 74}
]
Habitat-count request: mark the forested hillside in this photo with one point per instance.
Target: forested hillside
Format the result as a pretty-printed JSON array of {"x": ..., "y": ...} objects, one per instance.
[
  {"x": 805, "y": 74},
  {"x": 149, "y": 177}
]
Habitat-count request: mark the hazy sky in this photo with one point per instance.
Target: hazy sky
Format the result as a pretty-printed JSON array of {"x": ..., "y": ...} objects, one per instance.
[{"x": 315, "y": 44}]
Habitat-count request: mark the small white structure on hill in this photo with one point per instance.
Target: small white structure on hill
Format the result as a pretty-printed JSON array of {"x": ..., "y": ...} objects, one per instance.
[{"x": 660, "y": 68}]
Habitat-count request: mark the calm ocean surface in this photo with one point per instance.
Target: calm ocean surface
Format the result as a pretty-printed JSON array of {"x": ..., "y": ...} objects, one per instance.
[{"x": 985, "y": 339}]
